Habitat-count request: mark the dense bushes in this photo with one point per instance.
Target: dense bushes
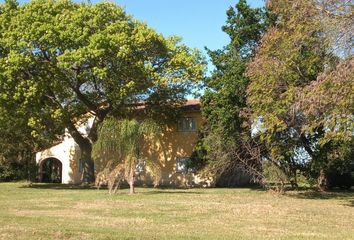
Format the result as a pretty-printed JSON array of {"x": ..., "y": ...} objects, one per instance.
[
  {"x": 13, "y": 170},
  {"x": 341, "y": 176}
]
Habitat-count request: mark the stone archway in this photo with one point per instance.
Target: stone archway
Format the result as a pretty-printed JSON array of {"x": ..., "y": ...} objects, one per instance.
[{"x": 51, "y": 170}]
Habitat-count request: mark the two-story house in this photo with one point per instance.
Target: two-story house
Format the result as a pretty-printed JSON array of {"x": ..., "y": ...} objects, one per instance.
[{"x": 61, "y": 163}]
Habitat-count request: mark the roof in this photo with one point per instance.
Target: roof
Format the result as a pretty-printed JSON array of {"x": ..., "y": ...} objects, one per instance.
[{"x": 192, "y": 105}]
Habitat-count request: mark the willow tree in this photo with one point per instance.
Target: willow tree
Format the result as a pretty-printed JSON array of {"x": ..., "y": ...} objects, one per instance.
[
  {"x": 121, "y": 141},
  {"x": 60, "y": 60}
]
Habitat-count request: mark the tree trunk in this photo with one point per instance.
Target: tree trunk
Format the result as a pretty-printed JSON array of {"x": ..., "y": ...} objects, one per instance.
[
  {"x": 88, "y": 174},
  {"x": 131, "y": 180},
  {"x": 322, "y": 181},
  {"x": 131, "y": 187},
  {"x": 293, "y": 178},
  {"x": 30, "y": 161}
]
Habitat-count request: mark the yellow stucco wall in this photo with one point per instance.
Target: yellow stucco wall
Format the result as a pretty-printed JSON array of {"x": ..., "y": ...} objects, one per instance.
[
  {"x": 171, "y": 144},
  {"x": 160, "y": 155}
]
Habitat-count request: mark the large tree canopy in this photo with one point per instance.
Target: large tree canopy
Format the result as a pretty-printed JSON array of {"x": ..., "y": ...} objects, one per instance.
[
  {"x": 60, "y": 59},
  {"x": 301, "y": 83}
]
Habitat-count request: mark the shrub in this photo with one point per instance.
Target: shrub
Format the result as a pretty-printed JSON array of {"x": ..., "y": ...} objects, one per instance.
[
  {"x": 340, "y": 175},
  {"x": 12, "y": 170}
]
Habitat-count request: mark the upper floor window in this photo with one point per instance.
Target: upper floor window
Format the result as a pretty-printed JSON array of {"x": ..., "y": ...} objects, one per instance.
[{"x": 186, "y": 124}]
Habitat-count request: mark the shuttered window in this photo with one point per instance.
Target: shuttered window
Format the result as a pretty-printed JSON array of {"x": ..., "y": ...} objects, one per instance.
[{"x": 187, "y": 124}]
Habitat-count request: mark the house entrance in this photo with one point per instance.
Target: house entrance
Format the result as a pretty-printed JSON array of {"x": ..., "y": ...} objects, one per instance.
[{"x": 51, "y": 170}]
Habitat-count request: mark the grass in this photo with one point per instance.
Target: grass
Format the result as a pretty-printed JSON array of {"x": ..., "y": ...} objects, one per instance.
[{"x": 61, "y": 212}]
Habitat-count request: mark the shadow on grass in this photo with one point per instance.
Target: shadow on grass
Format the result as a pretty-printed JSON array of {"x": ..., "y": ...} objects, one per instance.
[
  {"x": 350, "y": 204},
  {"x": 177, "y": 191},
  {"x": 58, "y": 186},
  {"x": 302, "y": 193},
  {"x": 347, "y": 195}
]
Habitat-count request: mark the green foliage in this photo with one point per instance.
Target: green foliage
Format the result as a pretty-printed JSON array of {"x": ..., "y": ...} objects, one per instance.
[
  {"x": 198, "y": 159},
  {"x": 300, "y": 89},
  {"x": 10, "y": 171},
  {"x": 274, "y": 174},
  {"x": 13, "y": 168},
  {"x": 18, "y": 144},
  {"x": 337, "y": 160},
  {"x": 290, "y": 57},
  {"x": 334, "y": 156},
  {"x": 120, "y": 139},
  {"x": 224, "y": 100},
  {"x": 279, "y": 83},
  {"x": 292, "y": 54},
  {"x": 92, "y": 54},
  {"x": 328, "y": 102},
  {"x": 225, "y": 96}
]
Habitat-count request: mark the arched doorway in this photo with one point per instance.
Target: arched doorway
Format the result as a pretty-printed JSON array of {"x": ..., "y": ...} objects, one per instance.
[{"x": 50, "y": 170}]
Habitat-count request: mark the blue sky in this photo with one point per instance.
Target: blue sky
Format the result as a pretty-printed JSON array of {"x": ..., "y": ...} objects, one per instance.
[{"x": 198, "y": 22}]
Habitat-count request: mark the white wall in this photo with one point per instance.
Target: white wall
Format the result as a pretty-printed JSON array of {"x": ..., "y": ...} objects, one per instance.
[{"x": 67, "y": 151}]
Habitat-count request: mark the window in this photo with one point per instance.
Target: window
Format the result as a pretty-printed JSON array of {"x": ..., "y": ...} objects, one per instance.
[
  {"x": 182, "y": 164},
  {"x": 140, "y": 167},
  {"x": 187, "y": 124}
]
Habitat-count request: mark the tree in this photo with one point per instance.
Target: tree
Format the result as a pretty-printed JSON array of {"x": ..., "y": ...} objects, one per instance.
[
  {"x": 224, "y": 101},
  {"x": 336, "y": 17},
  {"x": 18, "y": 144},
  {"x": 120, "y": 141},
  {"x": 60, "y": 60},
  {"x": 297, "y": 108}
]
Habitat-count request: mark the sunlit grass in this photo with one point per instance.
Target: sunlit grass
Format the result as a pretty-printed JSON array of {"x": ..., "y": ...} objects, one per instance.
[{"x": 56, "y": 212}]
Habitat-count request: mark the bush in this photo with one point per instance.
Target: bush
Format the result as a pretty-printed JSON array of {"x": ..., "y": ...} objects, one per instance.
[
  {"x": 340, "y": 176},
  {"x": 11, "y": 170}
]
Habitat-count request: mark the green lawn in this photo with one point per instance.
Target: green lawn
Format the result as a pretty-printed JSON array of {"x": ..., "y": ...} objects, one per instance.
[{"x": 61, "y": 212}]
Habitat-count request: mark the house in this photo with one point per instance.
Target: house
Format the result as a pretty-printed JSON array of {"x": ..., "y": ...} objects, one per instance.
[{"x": 61, "y": 163}]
